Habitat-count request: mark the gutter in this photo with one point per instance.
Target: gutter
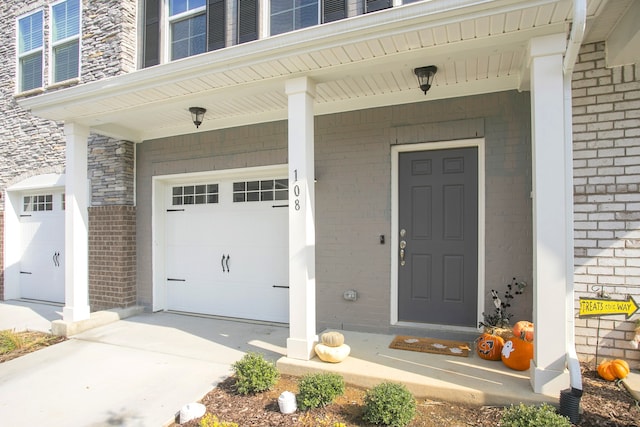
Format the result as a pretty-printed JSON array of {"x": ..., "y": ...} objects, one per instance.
[{"x": 570, "y": 399}]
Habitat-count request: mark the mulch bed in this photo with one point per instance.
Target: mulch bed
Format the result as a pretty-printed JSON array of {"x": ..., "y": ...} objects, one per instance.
[
  {"x": 33, "y": 341},
  {"x": 603, "y": 404}
]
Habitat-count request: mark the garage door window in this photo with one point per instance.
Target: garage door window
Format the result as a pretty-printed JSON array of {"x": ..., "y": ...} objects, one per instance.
[
  {"x": 38, "y": 203},
  {"x": 255, "y": 191},
  {"x": 195, "y": 194}
]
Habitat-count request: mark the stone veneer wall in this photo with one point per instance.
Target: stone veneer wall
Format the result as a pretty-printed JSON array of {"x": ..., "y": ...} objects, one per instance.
[
  {"x": 32, "y": 146},
  {"x": 606, "y": 144},
  {"x": 111, "y": 171},
  {"x": 112, "y": 257},
  {"x": 108, "y": 38}
]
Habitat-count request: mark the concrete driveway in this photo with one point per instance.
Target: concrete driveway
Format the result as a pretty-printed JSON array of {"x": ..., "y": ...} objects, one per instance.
[{"x": 135, "y": 372}]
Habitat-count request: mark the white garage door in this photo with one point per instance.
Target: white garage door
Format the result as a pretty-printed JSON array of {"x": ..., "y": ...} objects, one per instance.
[
  {"x": 42, "y": 244},
  {"x": 227, "y": 248}
]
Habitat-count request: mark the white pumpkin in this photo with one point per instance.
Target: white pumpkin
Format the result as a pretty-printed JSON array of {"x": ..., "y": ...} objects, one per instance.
[{"x": 332, "y": 354}]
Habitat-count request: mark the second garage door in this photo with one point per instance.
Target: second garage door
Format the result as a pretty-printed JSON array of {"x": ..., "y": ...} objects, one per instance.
[{"x": 227, "y": 248}]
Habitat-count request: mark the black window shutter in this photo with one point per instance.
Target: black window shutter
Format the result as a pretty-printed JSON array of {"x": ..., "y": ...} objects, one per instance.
[
  {"x": 373, "y": 5},
  {"x": 151, "y": 55},
  {"x": 333, "y": 10},
  {"x": 247, "y": 20},
  {"x": 216, "y": 24}
]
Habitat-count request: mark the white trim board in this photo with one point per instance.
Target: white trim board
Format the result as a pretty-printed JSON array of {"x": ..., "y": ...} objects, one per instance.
[{"x": 395, "y": 151}]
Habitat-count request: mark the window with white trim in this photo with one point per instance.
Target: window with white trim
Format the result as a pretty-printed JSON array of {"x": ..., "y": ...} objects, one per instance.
[
  {"x": 199, "y": 194},
  {"x": 289, "y": 15},
  {"x": 260, "y": 191},
  {"x": 175, "y": 29},
  {"x": 65, "y": 40},
  {"x": 37, "y": 203},
  {"x": 187, "y": 28},
  {"x": 30, "y": 51}
]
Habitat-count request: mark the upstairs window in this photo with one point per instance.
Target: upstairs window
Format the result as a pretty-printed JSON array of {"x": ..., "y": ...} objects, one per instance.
[
  {"x": 289, "y": 15},
  {"x": 30, "y": 51},
  {"x": 187, "y": 27},
  {"x": 375, "y": 5},
  {"x": 65, "y": 40}
]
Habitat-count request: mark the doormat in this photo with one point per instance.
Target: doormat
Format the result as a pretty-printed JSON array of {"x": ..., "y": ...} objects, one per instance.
[{"x": 430, "y": 345}]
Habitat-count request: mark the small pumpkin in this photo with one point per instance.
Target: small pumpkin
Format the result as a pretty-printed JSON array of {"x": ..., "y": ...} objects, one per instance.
[
  {"x": 332, "y": 354},
  {"x": 611, "y": 370},
  {"x": 489, "y": 346},
  {"x": 524, "y": 330},
  {"x": 332, "y": 339},
  {"x": 605, "y": 372},
  {"x": 620, "y": 368},
  {"x": 517, "y": 354}
]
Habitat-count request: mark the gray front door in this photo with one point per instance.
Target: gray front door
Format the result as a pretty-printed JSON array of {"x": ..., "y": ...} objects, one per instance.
[{"x": 438, "y": 253}]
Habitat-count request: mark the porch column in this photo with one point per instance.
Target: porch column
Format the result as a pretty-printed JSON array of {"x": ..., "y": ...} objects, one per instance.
[
  {"x": 302, "y": 229},
  {"x": 550, "y": 215},
  {"x": 76, "y": 243}
]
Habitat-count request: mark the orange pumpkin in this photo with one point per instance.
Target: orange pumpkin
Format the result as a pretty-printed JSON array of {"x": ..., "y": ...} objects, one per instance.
[
  {"x": 611, "y": 370},
  {"x": 524, "y": 330},
  {"x": 489, "y": 346},
  {"x": 620, "y": 368},
  {"x": 605, "y": 372},
  {"x": 516, "y": 354}
]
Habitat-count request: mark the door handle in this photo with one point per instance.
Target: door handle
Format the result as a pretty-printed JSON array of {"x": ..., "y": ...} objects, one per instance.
[
  {"x": 225, "y": 263},
  {"x": 403, "y": 245}
]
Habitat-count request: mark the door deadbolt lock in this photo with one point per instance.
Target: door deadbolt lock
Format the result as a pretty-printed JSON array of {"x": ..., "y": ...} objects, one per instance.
[{"x": 403, "y": 245}]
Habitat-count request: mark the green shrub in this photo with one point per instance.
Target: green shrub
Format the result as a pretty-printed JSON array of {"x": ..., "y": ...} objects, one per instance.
[
  {"x": 533, "y": 416},
  {"x": 389, "y": 404},
  {"x": 319, "y": 390},
  {"x": 210, "y": 420},
  {"x": 254, "y": 374}
]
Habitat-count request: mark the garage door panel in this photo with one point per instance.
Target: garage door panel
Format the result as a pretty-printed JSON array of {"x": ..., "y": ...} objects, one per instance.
[
  {"x": 42, "y": 251},
  {"x": 230, "y": 258}
]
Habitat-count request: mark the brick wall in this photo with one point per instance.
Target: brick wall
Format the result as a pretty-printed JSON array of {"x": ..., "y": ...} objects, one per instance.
[
  {"x": 112, "y": 257},
  {"x": 606, "y": 132}
]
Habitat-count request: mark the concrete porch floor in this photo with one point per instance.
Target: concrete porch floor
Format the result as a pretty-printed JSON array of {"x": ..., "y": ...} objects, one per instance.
[{"x": 470, "y": 380}]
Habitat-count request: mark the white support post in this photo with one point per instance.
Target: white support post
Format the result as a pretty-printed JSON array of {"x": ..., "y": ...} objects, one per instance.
[
  {"x": 76, "y": 222},
  {"x": 302, "y": 232},
  {"x": 548, "y": 374}
]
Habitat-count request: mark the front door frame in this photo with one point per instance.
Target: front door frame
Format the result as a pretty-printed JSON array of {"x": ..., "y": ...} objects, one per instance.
[{"x": 479, "y": 143}]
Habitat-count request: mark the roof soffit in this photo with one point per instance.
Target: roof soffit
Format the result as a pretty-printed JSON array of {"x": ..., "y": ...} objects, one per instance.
[{"x": 478, "y": 46}]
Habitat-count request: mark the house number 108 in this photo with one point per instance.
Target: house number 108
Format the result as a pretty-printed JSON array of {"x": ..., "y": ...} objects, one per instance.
[{"x": 296, "y": 190}]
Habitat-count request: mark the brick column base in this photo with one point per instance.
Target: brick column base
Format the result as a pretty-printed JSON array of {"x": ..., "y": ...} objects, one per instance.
[{"x": 112, "y": 257}]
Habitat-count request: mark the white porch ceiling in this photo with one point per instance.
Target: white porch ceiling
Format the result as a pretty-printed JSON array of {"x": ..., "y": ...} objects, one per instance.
[{"x": 360, "y": 62}]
